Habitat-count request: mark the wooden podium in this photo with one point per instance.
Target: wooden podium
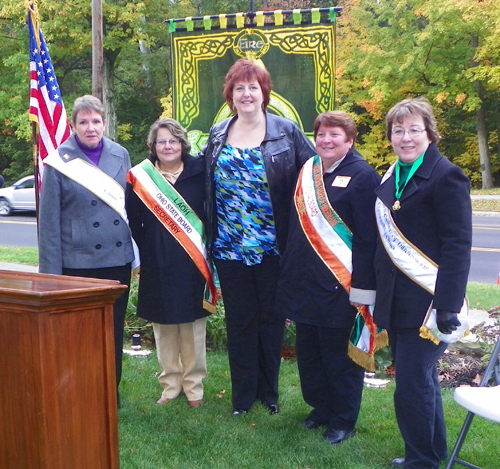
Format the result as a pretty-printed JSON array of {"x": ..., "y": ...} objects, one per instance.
[{"x": 57, "y": 372}]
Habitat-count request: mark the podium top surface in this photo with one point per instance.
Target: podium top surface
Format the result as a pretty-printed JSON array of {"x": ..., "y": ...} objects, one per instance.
[{"x": 38, "y": 289}]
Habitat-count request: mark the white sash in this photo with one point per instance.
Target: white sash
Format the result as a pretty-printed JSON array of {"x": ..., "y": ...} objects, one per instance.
[
  {"x": 418, "y": 267},
  {"x": 96, "y": 181}
]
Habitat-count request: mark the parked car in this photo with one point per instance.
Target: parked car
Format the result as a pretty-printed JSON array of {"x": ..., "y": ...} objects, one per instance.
[{"x": 20, "y": 196}]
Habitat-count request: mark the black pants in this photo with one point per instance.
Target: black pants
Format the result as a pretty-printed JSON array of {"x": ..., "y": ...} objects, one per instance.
[
  {"x": 331, "y": 382},
  {"x": 417, "y": 399},
  {"x": 254, "y": 330},
  {"x": 122, "y": 274}
]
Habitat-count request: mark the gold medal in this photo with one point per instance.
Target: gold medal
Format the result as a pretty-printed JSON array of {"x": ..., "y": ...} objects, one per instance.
[{"x": 397, "y": 205}]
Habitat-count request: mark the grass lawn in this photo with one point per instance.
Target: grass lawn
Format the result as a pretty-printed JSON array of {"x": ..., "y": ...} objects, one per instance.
[
  {"x": 19, "y": 255},
  {"x": 483, "y": 296},
  {"x": 175, "y": 436},
  {"x": 486, "y": 205}
]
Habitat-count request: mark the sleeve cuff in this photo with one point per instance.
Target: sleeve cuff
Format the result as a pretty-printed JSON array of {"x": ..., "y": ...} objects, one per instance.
[{"x": 364, "y": 297}]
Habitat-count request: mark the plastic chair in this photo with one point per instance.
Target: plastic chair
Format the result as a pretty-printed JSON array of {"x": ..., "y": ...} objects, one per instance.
[{"x": 483, "y": 401}]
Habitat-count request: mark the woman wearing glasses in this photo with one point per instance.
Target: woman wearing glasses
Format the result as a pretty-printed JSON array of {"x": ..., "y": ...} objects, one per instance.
[
  {"x": 422, "y": 263},
  {"x": 165, "y": 207}
]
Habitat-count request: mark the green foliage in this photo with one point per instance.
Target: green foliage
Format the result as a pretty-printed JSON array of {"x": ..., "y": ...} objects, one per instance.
[
  {"x": 216, "y": 326},
  {"x": 384, "y": 358},
  {"x": 386, "y": 51},
  {"x": 391, "y": 50},
  {"x": 133, "y": 323}
]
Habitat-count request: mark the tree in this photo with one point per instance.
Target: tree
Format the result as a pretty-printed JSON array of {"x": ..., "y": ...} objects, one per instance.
[
  {"x": 67, "y": 29},
  {"x": 396, "y": 49}
]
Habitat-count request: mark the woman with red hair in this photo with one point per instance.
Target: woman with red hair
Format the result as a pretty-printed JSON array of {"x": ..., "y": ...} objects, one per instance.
[{"x": 252, "y": 161}]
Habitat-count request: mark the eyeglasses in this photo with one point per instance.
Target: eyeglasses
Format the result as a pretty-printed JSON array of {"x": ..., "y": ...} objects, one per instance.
[
  {"x": 171, "y": 142},
  {"x": 413, "y": 132}
]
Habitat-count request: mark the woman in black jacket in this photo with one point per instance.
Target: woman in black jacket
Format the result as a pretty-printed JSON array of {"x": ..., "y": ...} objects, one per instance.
[
  {"x": 328, "y": 273},
  {"x": 422, "y": 261},
  {"x": 165, "y": 204},
  {"x": 252, "y": 160}
]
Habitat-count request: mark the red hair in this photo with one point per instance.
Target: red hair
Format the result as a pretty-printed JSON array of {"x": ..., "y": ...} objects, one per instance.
[{"x": 246, "y": 71}]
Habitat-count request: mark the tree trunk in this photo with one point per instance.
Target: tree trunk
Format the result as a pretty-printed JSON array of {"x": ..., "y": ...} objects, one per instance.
[
  {"x": 109, "y": 95},
  {"x": 482, "y": 132},
  {"x": 144, "y": 50},
  {"x": 497, "y": 122},
  {"x": 482, "y": 141}
]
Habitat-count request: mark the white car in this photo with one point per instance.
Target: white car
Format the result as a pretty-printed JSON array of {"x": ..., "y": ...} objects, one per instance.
[{"x": 20, "y": 196}]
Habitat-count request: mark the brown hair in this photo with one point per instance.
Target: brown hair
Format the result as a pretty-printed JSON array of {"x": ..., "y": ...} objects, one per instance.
[
  {"x": 174, "y": 128},
  {"x": 336, "y": 119},
  {"x": 245, "y": 71},
  {"x": 87, "y": 103},
  {"x": 415, "y": 107}
]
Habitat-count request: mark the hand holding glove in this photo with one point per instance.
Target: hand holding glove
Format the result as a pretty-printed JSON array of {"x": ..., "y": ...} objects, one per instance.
[{"x": 447, "y": 321}]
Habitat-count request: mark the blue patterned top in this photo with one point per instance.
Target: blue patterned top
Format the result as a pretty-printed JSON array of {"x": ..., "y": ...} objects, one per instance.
[{"x": 245, "y": 221}]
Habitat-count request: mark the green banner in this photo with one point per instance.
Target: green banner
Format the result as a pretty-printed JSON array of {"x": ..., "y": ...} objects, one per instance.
[{"x": 300, "y": 59}]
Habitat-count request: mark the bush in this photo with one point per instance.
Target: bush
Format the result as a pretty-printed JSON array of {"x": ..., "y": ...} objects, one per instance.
[
  {"x": 133, "y": 323},
  {"x": 216, "y": 326}
]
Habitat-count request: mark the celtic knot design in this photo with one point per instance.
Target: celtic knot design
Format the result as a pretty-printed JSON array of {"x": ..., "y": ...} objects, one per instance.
[{"x": 317, "y": 41}]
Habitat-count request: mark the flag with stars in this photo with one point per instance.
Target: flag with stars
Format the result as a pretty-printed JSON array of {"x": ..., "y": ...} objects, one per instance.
[{"x": 46, "y": 104}]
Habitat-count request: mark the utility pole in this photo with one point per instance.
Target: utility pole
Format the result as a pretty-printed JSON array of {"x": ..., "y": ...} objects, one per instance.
[{"x": 97, "y": 50}]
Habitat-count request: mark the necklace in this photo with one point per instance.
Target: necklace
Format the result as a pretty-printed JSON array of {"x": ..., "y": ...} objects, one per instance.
[{"x": 401, "y": 186}]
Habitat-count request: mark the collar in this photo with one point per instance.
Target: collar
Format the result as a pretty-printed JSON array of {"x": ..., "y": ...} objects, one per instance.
[
  {"x": 170, "y": 177},
  {"x": 335, "y": 165}
]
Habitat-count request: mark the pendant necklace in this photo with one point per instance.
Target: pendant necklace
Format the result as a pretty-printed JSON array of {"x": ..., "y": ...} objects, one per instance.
[{"x": 400, "y": 187}]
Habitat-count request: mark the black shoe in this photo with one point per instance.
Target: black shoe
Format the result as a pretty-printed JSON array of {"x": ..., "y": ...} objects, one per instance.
[
  {"x": 310, "y": 424},
  {"x": 239, "y": 412},
  {"x": 398, "y": 462},
  {"x": 273, "y": 408},
  {"x": 335, "y": 437}
]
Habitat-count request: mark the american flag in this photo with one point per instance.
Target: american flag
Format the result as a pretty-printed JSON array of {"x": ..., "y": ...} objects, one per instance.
[{"x": 46, "y": 104}]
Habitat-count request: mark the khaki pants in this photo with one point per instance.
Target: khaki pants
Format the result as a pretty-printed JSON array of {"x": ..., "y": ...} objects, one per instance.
[{"x": 181, "y": 350}]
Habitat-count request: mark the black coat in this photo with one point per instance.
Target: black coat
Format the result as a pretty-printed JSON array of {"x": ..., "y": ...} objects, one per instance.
[
  {"x": 435, "y": 216},
  {"x": 308, "y": 292},
  {"x": 170, "y": 287}
]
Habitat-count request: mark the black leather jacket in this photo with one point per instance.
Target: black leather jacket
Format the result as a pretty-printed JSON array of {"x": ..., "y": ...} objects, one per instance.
[{"x": 284, "y": 149}]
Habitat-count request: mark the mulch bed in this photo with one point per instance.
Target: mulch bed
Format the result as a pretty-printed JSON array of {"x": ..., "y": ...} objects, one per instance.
[{"x": 459, "y": 369}]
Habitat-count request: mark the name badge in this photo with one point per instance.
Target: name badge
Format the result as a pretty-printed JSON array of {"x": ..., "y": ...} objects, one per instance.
[{"x": 341, "y": 181}]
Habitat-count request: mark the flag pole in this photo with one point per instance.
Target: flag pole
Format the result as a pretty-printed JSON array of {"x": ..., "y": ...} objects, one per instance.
[
  {"x": 34, "y": 141},
  {"x": 32, "y": 5},
  {"x": 50, "y": 125}
]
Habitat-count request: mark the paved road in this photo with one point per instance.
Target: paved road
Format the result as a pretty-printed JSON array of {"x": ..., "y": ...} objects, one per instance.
[
  {"x": 20, "y": 230},
  {"x": 485, "y": 265}
]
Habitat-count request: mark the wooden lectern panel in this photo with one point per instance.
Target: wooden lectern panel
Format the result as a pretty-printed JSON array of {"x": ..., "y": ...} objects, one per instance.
[{"x": 57, "y": 372}]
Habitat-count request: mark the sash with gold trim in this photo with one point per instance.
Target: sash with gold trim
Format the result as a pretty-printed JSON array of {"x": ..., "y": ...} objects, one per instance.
[
  {"x": 332, "y": 241},
  {"x": 419, "y": 268},
  {"x": 177, "y": 217},
  {"x": 96, "y": 181}
]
